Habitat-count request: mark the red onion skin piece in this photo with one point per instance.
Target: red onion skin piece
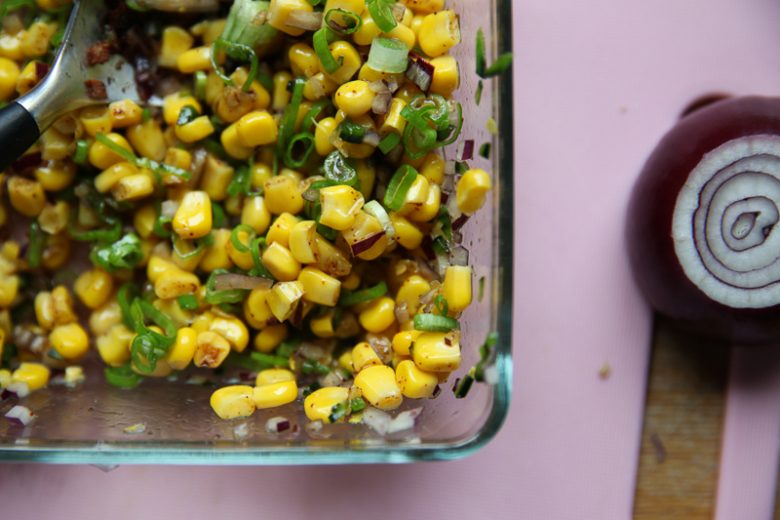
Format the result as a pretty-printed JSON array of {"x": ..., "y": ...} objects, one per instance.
[{"x": 656, "y": 268}]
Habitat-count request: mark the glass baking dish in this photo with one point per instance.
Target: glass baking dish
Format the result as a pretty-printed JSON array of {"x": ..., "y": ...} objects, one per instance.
[{"x": 94, "y": 423}]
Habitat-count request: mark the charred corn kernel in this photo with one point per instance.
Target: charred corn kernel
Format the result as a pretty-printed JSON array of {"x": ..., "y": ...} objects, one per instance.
[
  {"x": 260, "y": 173},
  {"x": 256, "y": 128},
  {"x": 456, "y": 287},
  {"x": 55, "y": 175},
  {"x": 148, "y": 140},
  {"x": 257, "y": 313},
  {"x": 9, "y": 289},
  {"x": 429, "y": 209},
  {"x": 233, "y": 102},
  {"x": 133, "y": 187},
  {"x": 28, "y": 78},
  {"x": 62, "y": 303},
  {"x": 109, "y": 177},
  {"x": 281, "y": 262},
  {"x": 330, "y": 259},
  {"x": 284, "y": 298},
  {"x": 95, "y": 120},
  {"x": 173, "y": 103},
  {"x": 211, "y": 349},
  {"x": 26, "y": 196},
  {"x": 394, "y": 121},
  {"x": 34, "y": 375},
  {"x": 55, "y": 145},
  {"x": 9, "y": 74},
  {"x": 404, "y": 34},
  {"x": 322, "y": 135},
  {"x": 322, "y": 325},
  {"x": 275, "y": 394},
  {"x": 363, "y": 355},
  {"x": 432, "y": 168},
  {"x": 270, "y": 337},
  {"x": 413, "y": 382},
  {"x": 124, "y": 113},
  {"x": 255, "y": 214},
  {"x": 242, "y": 259},
  {"x": 362, "y": 228},
  {"x": 378, "y": 315},
  {"x": 472, "y": 190},
  {"x": 411, "y": 291},
  {"x": 319, "y": 404},
  {"x": 101, "y": 157},
  {"x": 101, "y": 319},
  {"x": 446, "y": 76},
  {"x": 319, "y": 287},
  {"x": 232, "y": 144},
  {"x": 301, "y": 241},
  {"x": 425, "y": 6},
  {"x": 437, "y": 351},
  {"x": 233, "y": 330},
  {"x": 345, "y": 361},
  {"x": 272, "y": 376},
  {"x": 174, "y": 283},
  {"x": 303, "y": 60},
  {"x": 93, "y": 287},
  {"x": 157, "y": 267},
  {"x": 70, "y": 341},
  {"x": 281, "y": 95},
  {"x": 282, "y": 195},
  {"x": 11, "y": 46},
  {"x": 350, "y": 61},
  {"x": 183, "y": 349},
  {"x": 354, "y": 98},
  {"x": 197, "y": 129},
  {"x": 44, "y": 310},
  {"x": 340, "y": 205},
  {"x": 439, "y": 32},
  {"x": 216, "y": 256},
  {"x": 193, "y": 60},
  {"x": 402, "y": 341},
  {"x": 193, "y": 216},
  {"x": 232, "y": 402},
  {"x": 406, "y": 233},
  {"x": 379, "y": 387},
  {"x": 175, "y": 41}
]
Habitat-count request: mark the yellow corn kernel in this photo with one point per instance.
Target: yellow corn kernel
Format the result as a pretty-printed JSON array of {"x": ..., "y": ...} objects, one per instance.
[
  {"x": 256, "y": 128},
  {"x": 9, "y": 75},
  {"x": 437, "y": 351},
  {"x": 318, "y": 86},
  {"x": 186, "y": 254},
  {"x": 124, "y": 113},
  {"x": 11, "y": 46},
  {"x": 282, "y": 195},
  {"x": 157, "y": 267},
  {"x": 56, "y": 146},
  {"x": 351, "y": 282},
  {"x": 367, "y": 31},
  {"x": 34, "y": 375},
  {"x": 74, "y": 375},
  {"x": 174, "y": 103},
  {"x": 281, "y": 262},
  {"x": 322, "y": 135},
  {"x": 216, "y": 256},
  {"x": 413, "y": 382},
  {"x": 44, "y": 310},
  {"x": 232, "y": 402},
  {"x": 257, "y": 313},
  {"x": 100, "y": 320},
  {"x": 209, "y": 30},
  {"x": 362, "y": 228},
  {"x": 232, "y": 102},
  {"x": 432, "y": 168},
  {"x": 70, "y": 341},
  {"x": 211, "y": 349},
  {"x": 402, "y": 341},
  {"x": 5, "y": 375},
  {"x": 411, "y": 291},
  {"x": 114, "y": 345},
  {"x": 280, "y": 11},
  {"x": 242, "y": 259},
  {"x": 322, "y": 325},
  {"x": 371, "y": 75},
  {"x": 446, "y": 76},
  {"x": 108, "y": 178},
  {"x": 363, "y": 355},
  {"x": 174, "y": 283},
  {"x": 472, "y": 190},
  {"x": 425, "y": 6},
  {"x": 178, "y": 157},
  {"x": 175, "y": 41},
  {"x": 133, "y": 187},
  {"x": 101, "y": 156},
  {"x": 301, "y": 241},
  {"x": 62, "y": 304},
  {"x": 394, "y": 121},
  {"x": 379, "y": 387},
  {"x": 28, "y": 78},
  {"x": 350, "y": 62},
  {"x": 340, "y": 206},
  {"x": 354, "y": 98},
  {"x": 255, "y": 214},
  {"x": 272, "y": 376},
  {"x": 9, "y": 289},
  {"x": 281, "y": 95},
  {"x": 147, "y": 138},
  {"x": 416, "y": 196},
  {"x": 275, "y": 394},
  {"x": 319, "y": 287},
  {"x": 270, "y": 337},
  {"x": 406, "y": 233},
  {"x": 95, "y": 120},
  {"x": 319, "y": 404},
  {"x": 330, "y": 259},
  {"x": 202, "y": 322},
  {"x": 345, "y": 361},
  {"x": 193, "y": 216},
  {"x": 303, "y": 60},
  {"x": 193, "y": 60},
  {"x": 404, "y": 34},
  {"x": 216, "y": 178},
  {"x": 26, "y": 196},
  {"x": 35, "y": 41},
  {"x": 456, "y": 287},
  {"x": 429, "y": 209},
  {"x": 284, "y": 298},
  {"x": 233, "y": 330},
  {"x": 439, "y": 32},
  {"x": 93, "y": 287},
  {"x": 378, "y": 315},
  {"x": 183, "y": 349},
  {"x": 197, "y": 129},
  {"x": 232, "y": 144},
  {"x": 260, "y": 173}
]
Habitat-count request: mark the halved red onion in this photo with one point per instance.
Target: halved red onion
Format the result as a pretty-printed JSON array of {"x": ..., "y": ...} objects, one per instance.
[
  {"x": 168, "y": 208},
  {"x": 366, "y": 244},
  {"x": 420, "y": 72},
  {"x": 228, "y": 281},
  {"x": 277, "y": 424},
  {"x": 20, "y": 413},
  {"x": 306, "y": 20}
]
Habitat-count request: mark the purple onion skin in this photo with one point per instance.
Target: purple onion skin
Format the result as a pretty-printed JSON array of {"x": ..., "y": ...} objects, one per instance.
[{"x": 654, "y": 263}]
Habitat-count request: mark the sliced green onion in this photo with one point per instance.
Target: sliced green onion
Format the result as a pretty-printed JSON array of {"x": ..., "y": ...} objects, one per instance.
[
  {"x": 478, "y": 93},
  {"x": 375, "y": 209},
  {"x": 388, "y": 55},
  {"x": 200, "y": 82},
  {"x": 146, "y": 114},
  {"x": 125, "y": 296},
  {"x": 135, "y": 6},
  {"x": 255, "y": 248},
  {"x": 342, "y": 21},
  {"x": 188, "y": 302},
  {"x": 215, "y": 297},
  {"x": 179, "y": 242},
  {"x": 339, "y": 169},
  {"x": 236, "y": 241},
  {"x": 287, "y": 124},
  {"x": 126, "y": 253},
  {"x": 485, "y": 355},
  {"x": 81, "y": 153},
  {"x": 481, "y": 61},
  {"x": 148, "y": 346},
  {"x": 382, "y": 13},
  {"x": 109, "y": 235},
  {"x": 389, "y": 142},
  {"x": 481, "y": 289},
  {"x": 36, "y": 245},
  {"x": 310, "y": 118},
  {"x": 463, "y": 385},
  {"x": 321, "y": 41},
  {"x": 499, "y": 66},
  {"x": 142, "y": 162},
  {"x": 242, "y": 25},
  {"x": 484, "y": 150},
  {"x": 158, "y": 317},
  {"x": 364, "y": 295},
  {"x": 314, "y": 367},
  {"x": 187, "y": 114},
  {"x": 492, "y": 126},
  {"x": 269, "y": 360},
  {"x": 435, "y": 323},
  {"x": 239, "y": 52},
  {"x": 442, "y": 305},
  {"x": 217, "y": 215},
  {"x": 297, "y": 159},
  {"x": 352, "y": 132},
  {"x": 398, "y": 187},
  {"x": 241, "y": 183},
  {"x": 287, "y": 348},
  {"x": 122, "y": 377}
]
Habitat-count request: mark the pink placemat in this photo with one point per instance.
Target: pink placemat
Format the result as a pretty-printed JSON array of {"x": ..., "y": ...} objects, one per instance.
[{"x": 597, "y": 84}]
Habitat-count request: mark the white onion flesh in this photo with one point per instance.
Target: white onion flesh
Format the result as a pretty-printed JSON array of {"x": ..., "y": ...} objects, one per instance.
[{"x": 21, "y": 414}]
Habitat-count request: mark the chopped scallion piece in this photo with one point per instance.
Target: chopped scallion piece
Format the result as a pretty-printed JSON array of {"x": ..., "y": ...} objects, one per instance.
[
  {"x": 398, "y": 187},
  {"x": 126, "y": 253},
  {"x": 321, "y": 41},
  {"x": 339, "y": 169},
  {"x": 81, "y": 153},
  {"x": 199, "y": 87},
  {"x": 342, "y": 21},
  {"x": 463, "y": 385},
  {"x": 287, "y": 125},
  {"x": 299, "y": 149},
  {"x": 36, "y": 245},
  {"x": 188, "y": 302},
  {"x": 142, "y": 162},
  {"x": 187, "y": 114},
  {"x": 435, "y": 323},
  {"x": 382, "y": 13},
  {"x": 235, "y": 240},
  {"x": 122, "y": 377},
  {"x": 501, "y": 64},
  {"x": 364, "y": 295},
  {"x": 484, "y": 150},
  {"x": 389, "y": 142},
  {"x": 352, "y": 132},
  {"x": 388, "y": 55},
  {"x": 478, "y": 93}
]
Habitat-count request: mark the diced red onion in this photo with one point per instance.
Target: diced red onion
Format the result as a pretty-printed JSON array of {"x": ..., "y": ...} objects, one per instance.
[
  {"x": 367, "y": 243},
  {"x": 377, "y": 420},
  {"x": 311, "y": 351},
  {"x": 306, "y": 20},
  {"x": 402, "y": 313},
  {"x": 468, "y": 150},
  {"x": 459, "y": 222},
  {"x": 381, "y": 103},
  {"x": 420, "y": 72},
  {"x": 228, "y": 281},
  {"x": 27, "y": 162},
  {"x": 168, "y": 208},
  {"x": 277, "y": 424},
  {"x": 41, "y": 69},
  {"x": 427, "y": 248},
  {"x": 21, "y": 414},
  {"x": 155, "y": 101},
  {"x": 404, "y": 421}
]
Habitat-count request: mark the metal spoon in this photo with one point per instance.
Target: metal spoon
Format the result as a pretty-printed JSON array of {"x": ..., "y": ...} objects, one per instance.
[{"x": 63, "y": 89}]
